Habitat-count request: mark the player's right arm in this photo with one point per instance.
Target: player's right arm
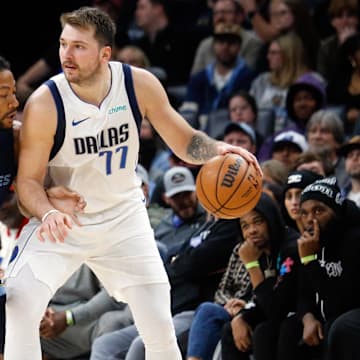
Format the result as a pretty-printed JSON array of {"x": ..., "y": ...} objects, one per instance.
[{"x": 36, "y": 140}]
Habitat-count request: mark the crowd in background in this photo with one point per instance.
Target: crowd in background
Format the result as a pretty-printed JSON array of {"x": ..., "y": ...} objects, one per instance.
[{"x": 280, "y": 78}]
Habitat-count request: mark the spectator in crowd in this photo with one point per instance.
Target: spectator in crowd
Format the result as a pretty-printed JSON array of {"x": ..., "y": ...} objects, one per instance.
[
  {"x": 328, "y": 316},
  {"x": 274, "y": 172},
  {"x": 287, "y": 147},
  {"x": 186, "y": 214},
  {"x": 283, "y": 16},
  {"x": 296, "y": 182},
  {"x": 269, "y": 253},
  {"x": 243, "y": 109},
  {"x": 351, "y": 152},
  {"x": 344, "y": 18},
  {"x": 132, "y": 55},
  {"x": 234, "y": 291},
  {"x": 162, "y": 42},
  {"x": 228, "y": 12},
  {"x": 135, "y": 56},
  {"x": 240, "y": 134},
  {"x": 286, "y": 61},
  {"x": 325, "y": 134},
  {"x": 344, "y": 85},
  {"x": 274, "y": 178},
  {"x": 304, "y": 98},
  {"x": 211, "y": 88},
  {"x": 156, "y": 195},
  {"x": 309, "y": 160}
]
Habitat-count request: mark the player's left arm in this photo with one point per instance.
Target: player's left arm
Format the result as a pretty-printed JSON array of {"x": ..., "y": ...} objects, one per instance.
[{"x": 192, "y": 146}]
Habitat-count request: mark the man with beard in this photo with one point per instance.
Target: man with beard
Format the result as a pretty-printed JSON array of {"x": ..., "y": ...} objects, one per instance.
[
  {"x": 210, "y": 89},
  {"x": 9, "y": 129},
  {"x": 328, "y": 316},
  {"x": 351, "y": 152}
]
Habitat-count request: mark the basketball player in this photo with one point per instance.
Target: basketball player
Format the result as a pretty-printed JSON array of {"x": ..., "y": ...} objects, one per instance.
[
  {"x": 9, "y": 128},
  {"x": 83, "y": 127}
]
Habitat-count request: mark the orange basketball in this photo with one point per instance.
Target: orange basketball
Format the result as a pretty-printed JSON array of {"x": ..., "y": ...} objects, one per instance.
[{"x": 228, "y": 186}]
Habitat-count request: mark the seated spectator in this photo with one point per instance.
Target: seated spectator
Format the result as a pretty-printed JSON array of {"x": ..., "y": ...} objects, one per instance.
[
  {"x": 240, "y": 134},
  {"x": 328, "y": 318},
  {"x": 304, "y": 97},
  {"x": 296, "y": 182},
  {"x": 211, "y": 88},
  {"x": 274, "y": 172},
  {"x": 234, "y": 291},
  {"x": 162, "y": 41},
  {"x": 351, "y": 152},
  {"x": 186, "y": 214},
  {"x": 344, "y": 85},
  {"x": 156, "y": 195},
  {"x": 283, "y": 16},
  {"x": 270, "y": 255},
  {"x": 309, "y": 160},
  {"x": 286, "y": 65},
  {"x": 325, "y": 134},
  {"x": 287, "y": 147},
  {"x": 243, "y": 109},
  {"x": 344, "y": 19},
  {"x": 229, "y": 12},
  {"x": 132, "y": 55}
]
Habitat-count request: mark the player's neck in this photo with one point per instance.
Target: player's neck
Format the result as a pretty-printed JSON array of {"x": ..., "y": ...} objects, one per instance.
[{"x": 94, "y": 90}]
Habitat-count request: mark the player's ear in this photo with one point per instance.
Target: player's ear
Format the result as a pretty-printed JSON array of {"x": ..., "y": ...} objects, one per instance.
[{"x": 106, "y": 53}]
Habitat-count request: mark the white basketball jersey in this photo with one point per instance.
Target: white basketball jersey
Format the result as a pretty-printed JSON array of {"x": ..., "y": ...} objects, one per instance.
[{"x": 96, "y": 148}]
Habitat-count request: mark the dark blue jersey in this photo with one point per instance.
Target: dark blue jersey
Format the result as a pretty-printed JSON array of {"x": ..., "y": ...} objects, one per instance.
[{"x": 7, "y": 162}]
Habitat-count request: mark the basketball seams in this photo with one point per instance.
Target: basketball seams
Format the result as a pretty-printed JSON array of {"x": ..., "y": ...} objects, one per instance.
[
  {"x": 200, "y": 174},
  {"x": 249, "y": 169},
  {"x": 238, "y": 185},
  {"x": 223, "y": 175},
  {"x": 217, "y": 179}
]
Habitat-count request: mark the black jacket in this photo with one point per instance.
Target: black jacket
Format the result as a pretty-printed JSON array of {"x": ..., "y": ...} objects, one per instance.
[
  {"x": 196, "y": 268},
  {"x": 333, "y": 279},
  {"x": 275, "y": 297}
]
